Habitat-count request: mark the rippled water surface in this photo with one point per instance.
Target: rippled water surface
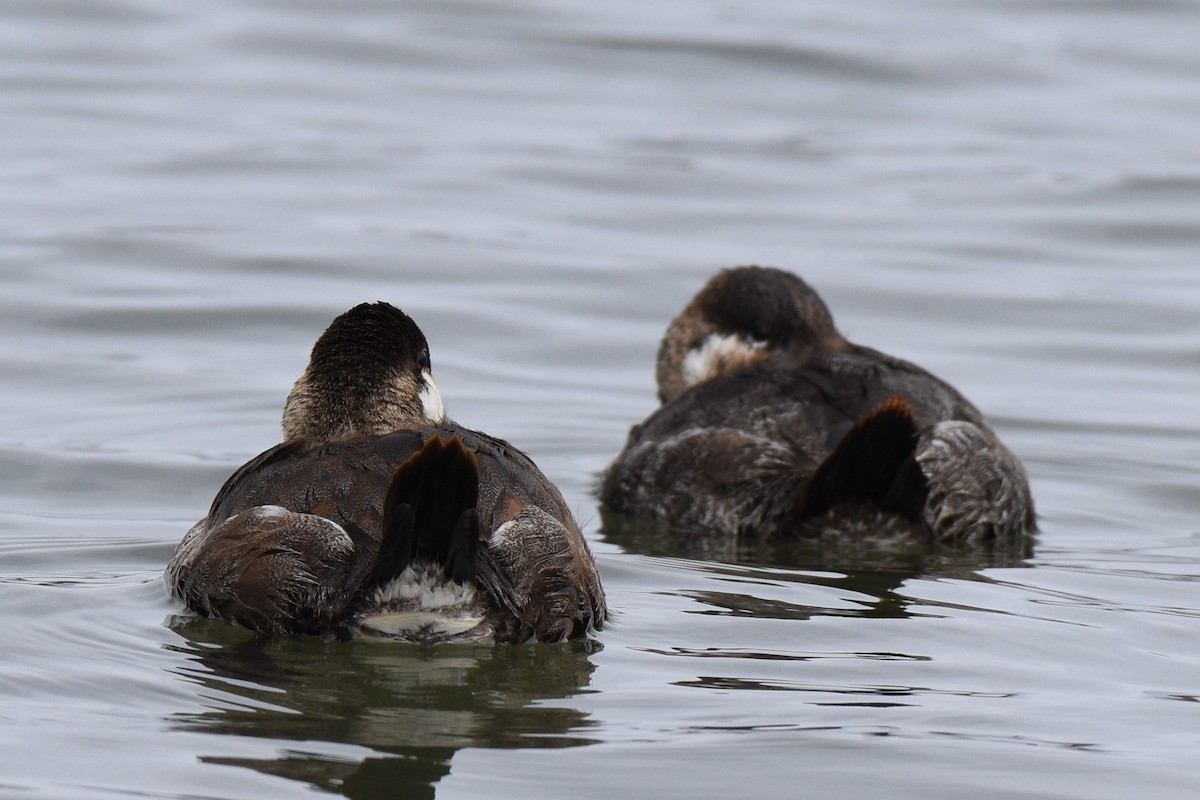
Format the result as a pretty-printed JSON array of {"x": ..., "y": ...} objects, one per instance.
[{"x": 1005, "y": 192}]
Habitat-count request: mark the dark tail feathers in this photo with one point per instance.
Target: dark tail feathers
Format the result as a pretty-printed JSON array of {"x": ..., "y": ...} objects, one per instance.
[
  {"x": 874, "y": 463},
  {"x": 429, "y": 513}
]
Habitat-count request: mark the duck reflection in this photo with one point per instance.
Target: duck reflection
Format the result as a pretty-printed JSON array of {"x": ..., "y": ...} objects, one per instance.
[
  {"x": 864, "y": 553},
  {"x": 874, "y": 569},
  {"x": 413, "y": 707}
]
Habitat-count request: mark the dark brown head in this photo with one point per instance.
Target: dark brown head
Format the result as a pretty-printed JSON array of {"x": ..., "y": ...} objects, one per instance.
[
  {"x": 368, "y": 375},
  {"x": 741, "y": 316}
]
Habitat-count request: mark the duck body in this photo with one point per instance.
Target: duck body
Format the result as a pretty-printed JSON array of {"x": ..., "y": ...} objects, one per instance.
[
  {"x": 787, "y": 429},
  {"x": 409, "y": 527}
]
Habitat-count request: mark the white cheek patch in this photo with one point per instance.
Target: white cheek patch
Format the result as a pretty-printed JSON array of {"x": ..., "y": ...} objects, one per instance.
[
  {"x": 719, "y": 355},
  {"x": 431, "y": 398}
]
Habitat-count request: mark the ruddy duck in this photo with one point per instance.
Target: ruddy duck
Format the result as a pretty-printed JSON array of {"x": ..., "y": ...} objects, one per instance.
[
  {"x": 773, "y": 424},
  {"x": 378, "y": 515}
]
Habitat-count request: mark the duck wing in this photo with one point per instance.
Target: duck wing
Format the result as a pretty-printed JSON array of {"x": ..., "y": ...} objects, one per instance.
[{"x": 542, "y": 578}]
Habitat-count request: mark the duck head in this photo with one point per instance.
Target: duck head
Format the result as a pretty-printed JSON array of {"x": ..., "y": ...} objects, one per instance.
[
  {"x": 369, "y": 374},
  {"x": 742, "y": 315}
]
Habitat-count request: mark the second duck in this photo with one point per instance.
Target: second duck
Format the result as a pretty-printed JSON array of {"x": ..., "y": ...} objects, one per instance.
[{"x": 773, "y": 424}]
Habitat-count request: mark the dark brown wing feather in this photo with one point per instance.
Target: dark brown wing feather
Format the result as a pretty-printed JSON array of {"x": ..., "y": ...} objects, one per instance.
[
  {"x": 304, "y": 570},
  {"x": 542, "y": 578},
  {"x": 536, "y": 566},
  {"x": 266, "y": 568}
]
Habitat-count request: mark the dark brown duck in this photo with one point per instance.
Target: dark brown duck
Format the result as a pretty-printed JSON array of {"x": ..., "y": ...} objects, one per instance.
[
  {"x": 773, "y": 424},
  {"x": 378, "y": 515}
]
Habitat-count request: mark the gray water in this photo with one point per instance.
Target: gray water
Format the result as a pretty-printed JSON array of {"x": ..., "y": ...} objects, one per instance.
[{"x": 1007, "y": 192}]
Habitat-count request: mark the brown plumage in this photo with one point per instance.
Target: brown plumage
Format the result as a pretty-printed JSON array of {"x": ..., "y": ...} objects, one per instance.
[
  {"x": 773, "y": 424},
  {"x": 376, "y": 514}
]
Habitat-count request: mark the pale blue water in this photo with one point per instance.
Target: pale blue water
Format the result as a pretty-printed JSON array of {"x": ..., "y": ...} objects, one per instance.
[{"x": 1005, "y": 192}]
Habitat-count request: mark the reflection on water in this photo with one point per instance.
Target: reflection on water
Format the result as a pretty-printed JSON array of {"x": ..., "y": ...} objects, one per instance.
[
  {"x": 412, "y": 707},
  {"x": 886, "y": 555},
  {"x": 839, "y": 691},
  {"x": 756, "y": 580},
  {"x": 767, "y": 655},
  {"x": 885, "y": 605}
]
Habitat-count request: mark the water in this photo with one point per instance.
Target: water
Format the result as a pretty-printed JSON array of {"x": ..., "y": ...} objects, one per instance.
[{"x": 1004, "y": 192}]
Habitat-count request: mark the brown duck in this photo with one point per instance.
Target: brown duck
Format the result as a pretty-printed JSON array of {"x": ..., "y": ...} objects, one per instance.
[{"x": 377, "y": 515}]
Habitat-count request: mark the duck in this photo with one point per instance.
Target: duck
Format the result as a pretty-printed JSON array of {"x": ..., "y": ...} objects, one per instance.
[
  {"x": 772, "y": 425},
  {"x": 378, "y": 516}
]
